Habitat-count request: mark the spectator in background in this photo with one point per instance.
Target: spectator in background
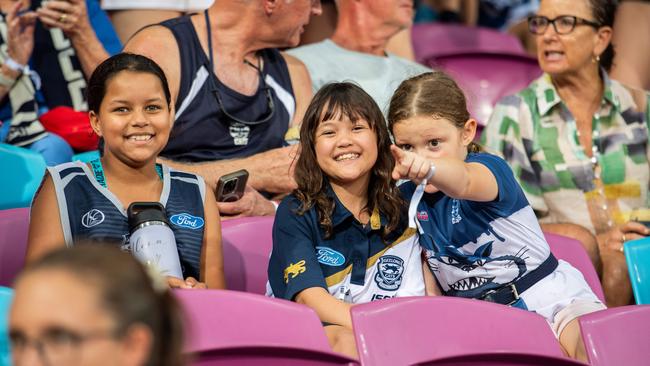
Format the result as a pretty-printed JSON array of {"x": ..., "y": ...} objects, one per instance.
[
  {"x": 61, "y": 49},
  {"x": 93, "y": 305},
  {"x": 632, "y": 40},
  {"x": 357, "y": 49},
  {"x": 235, "y": 94},
  {"x": 129, "y": 16},
  {"x": 578, "y": 140}
]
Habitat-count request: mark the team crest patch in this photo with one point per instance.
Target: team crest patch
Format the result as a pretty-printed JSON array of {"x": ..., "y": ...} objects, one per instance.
[
  {"x": 423, "y": 216},
  {"x": 329, "y": 257},
  {"x": 389, "y": 272},
  {"x": 187, "y": 221},
  {"x": 92, "y": 218},
  {"x": 294, "y": 270}
]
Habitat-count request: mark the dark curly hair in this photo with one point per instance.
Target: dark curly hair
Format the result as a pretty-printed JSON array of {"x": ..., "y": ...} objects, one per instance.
[{"x": 336, "y": 100}]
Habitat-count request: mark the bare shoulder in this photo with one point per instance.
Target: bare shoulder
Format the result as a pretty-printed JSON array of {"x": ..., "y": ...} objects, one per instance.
[
  {"x": 159, "y": 44},
  {"x": 295, "y": 65}
]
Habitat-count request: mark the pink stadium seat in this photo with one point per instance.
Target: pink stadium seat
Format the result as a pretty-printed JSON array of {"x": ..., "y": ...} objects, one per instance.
[
  {"x": 487, "y": 77},
  {"x": 504, "y": 359},
  {"x": 435, "y": 39},
  {"x": 14, "y": 225},
  {"x": 236, "y": 328},
  {"x": 406, "y": 331},
  {"x": 617, "y": 336},
  {"x": 572, "y": 252},
  {"x": 247, "y": 244}
]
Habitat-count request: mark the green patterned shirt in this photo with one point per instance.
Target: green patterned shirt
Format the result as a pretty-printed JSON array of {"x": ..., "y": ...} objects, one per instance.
[{"x": 535, "y": 132}]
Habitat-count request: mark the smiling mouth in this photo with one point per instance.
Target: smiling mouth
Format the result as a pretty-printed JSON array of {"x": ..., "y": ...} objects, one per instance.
[
  {"x": 139, "y": 138},
  {"x": 348, "y": 156}
]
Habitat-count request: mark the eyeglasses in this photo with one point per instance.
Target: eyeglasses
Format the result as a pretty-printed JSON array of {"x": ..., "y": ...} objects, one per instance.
[
  {"x": 269, "y": 101},
  {"x": 563, "y": 24},
  {"x": 57, "y": 346}
]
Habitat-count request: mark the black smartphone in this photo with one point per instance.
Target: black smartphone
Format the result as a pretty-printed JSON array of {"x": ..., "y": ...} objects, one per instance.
[{"x": 230, "y": 187}]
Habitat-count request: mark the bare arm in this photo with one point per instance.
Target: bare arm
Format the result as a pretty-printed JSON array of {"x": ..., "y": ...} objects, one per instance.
[
  {"x": 301, "y": 84},
  {"x": 212, "y": 272},
  {"x": 430, "y": 285},
  {"x": 71, "y": 16},
  {"x": 45, "y": 230},
  {"x": 328, "y": 308},
  {"x": 270, "y": 171},
  {"x": 454, "y": 177}
]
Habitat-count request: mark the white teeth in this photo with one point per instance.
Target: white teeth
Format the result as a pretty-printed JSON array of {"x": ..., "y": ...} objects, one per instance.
[
  {"x": 469, "y": 283},
  {"x": 348, "y": 156},
  {"x": 140, "y": 137}
]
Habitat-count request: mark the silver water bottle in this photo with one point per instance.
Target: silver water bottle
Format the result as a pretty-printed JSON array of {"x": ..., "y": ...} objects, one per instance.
[{"x": 152, "y": 240}]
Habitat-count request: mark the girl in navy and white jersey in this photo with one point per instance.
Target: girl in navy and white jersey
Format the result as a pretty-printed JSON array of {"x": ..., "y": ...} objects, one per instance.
[
  {"x": 340, "y": 238},
  {"x": 130, "y": 110},
  {"x": 480, "y": 236}
]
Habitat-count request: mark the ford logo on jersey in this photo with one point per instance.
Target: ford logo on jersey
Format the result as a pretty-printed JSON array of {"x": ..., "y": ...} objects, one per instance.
[
  {"x": 187, "y": 221},
  {"x": 329, "y": 256}
]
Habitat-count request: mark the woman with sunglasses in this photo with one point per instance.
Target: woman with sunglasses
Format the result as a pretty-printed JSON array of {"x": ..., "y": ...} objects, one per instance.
[{"x": 578, "y": 140}]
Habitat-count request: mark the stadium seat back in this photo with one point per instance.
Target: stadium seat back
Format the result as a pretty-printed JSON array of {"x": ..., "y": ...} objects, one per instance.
[
  {"x": 239, "y": 328},
  {"x": 412, "y": 330},
  {"x": 571, "y": 251},
  {"x": 6, "y": 295},
  {"x": 637, "y": 255},
  {"x": 437, "y": 39},
  {"x": 247, "y": 244},
  {"x": 23, "y": 172},
  {"x": 14, "y": 227},
  {"x": 617, "y": 336}
]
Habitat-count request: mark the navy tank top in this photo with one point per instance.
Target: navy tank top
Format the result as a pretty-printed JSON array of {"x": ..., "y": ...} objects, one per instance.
[
  {"x": 90, "y": 211},
  {"x": 202, "y": 131}
]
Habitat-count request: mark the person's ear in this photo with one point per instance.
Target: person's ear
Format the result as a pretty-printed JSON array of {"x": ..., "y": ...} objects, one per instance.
[
  {"x": 137, "y": 345},
  {"x": 469, "y": 131},
  {"x": 603, "y": 39},
  {"x": 95, "y": 123},
  {"x": 270, "y": 6}
]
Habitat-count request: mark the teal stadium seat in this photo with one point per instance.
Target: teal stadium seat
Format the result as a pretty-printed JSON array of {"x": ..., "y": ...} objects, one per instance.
[
  {"x": 87, "y": 156},
  {"x": 22, "y": 172},
  {"x": 6, "y": 294},
  {"x": 637, "y": 255}
]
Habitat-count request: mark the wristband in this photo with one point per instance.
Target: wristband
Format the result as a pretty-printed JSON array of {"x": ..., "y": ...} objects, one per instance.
[
  {"x": 15, "y": 66},
  {"x": 25, "y": 70},
  {"x": 432, "y": 172}
]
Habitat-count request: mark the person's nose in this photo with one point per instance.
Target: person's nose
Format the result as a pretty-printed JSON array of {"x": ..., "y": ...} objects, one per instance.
[
  {"x": 344, "y": 138},
  {"x": 140, "y": 118}
]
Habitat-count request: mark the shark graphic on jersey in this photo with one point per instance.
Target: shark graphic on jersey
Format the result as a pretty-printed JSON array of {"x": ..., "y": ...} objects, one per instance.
[{"x": 476, "y": 267}]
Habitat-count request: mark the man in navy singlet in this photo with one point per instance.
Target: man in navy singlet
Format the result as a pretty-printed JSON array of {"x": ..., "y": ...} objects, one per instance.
[{"x": 235, "y": 95}]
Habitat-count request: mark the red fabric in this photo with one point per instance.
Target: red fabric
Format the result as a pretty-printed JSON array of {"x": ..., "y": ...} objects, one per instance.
[{"x": 72, "y": 126}]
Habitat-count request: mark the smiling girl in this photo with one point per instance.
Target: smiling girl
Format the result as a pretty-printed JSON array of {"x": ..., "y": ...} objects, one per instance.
[
  {"x": 130, "y": 110},
  {"x": 340, "y": 238},
  {"x": 480, "y": 236}
]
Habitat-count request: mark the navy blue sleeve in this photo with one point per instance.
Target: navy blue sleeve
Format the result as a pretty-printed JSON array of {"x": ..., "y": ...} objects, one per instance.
[
  {"x": 293, "y": 265},
  {"x": 103, "y": 27},
  {"x": 510, "y": 197},
  {"x": 407, "y": 189}
]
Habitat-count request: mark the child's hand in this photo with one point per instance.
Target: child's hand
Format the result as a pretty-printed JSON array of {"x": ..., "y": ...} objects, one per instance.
[{"x": 409, "y": 165}]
